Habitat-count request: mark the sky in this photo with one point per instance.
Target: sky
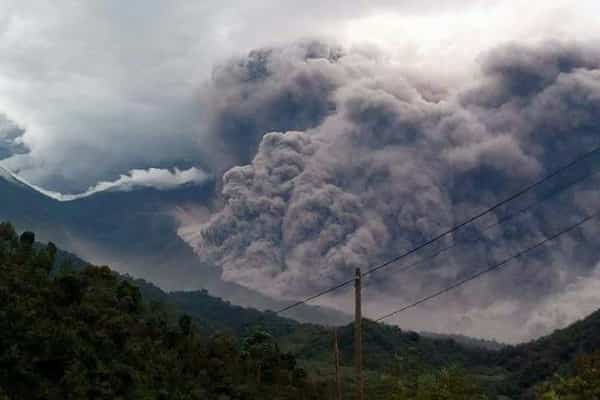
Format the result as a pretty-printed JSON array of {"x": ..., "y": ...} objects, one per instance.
[
  {"x": 298, "y": 107},
  {"x": 89, "y": 81}
]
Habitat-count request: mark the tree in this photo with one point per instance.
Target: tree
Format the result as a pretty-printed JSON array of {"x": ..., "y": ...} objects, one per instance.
[
  {"x": 88, "y": 334},
  {"x": 44, "y": 259},
  {"x": 258, "y": 350},
  {"x": 24, "y": 251},
  {"x": 583, "y": 385},
  {"x": 185, "y": 324},
  {"x": 27, "y": 239},
  {"x": 129, "y": 296},
  {"x": 7, "y": 232},
  {"x": 449, "y": 383}
]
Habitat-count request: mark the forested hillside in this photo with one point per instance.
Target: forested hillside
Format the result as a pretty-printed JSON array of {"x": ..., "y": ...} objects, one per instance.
[
  {"x": 133, "y": 231},
  {"x": 530, "y": 363},
  {"x": 89, "y": 335},
  {"x": 69, "y": 330},
  {"x": 308, "y": 341}
]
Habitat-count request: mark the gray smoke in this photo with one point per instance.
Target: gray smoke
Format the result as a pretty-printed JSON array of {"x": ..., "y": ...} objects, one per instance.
[
  {"x": 366, "y": 163},
  {"x": 269, "y": 90}
]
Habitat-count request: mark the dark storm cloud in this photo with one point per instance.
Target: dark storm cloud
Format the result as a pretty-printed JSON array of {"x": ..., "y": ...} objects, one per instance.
[{"x": 383, "y": 166}]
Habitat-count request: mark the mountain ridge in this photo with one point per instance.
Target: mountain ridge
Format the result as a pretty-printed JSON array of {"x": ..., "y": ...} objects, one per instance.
[
  {"x": 513, "y": 371},
  {"x": 136, "y": 233}
]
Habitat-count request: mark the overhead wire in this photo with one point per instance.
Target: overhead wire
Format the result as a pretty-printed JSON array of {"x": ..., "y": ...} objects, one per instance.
[
  {"x": 501, "y": 221},
  {"x": 449, "y": 231},
  {"x": 490, "y": 269}
]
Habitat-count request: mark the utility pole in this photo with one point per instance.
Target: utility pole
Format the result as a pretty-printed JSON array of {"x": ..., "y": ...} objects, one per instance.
[
  {"x": 358, "y": 353},
  {"x": 336, "y": 351}
]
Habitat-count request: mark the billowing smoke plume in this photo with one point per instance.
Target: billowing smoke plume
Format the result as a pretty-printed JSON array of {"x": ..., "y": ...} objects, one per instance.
[
  {"x": 365, "y": 161},
  {"x": 270, "y": 90}
]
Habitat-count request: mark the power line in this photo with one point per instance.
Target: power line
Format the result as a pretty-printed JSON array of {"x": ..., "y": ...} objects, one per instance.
[
  {"x": 323, "y": 293},
  {"x": 485, "y": 212},
  {"x": 490, "y": 269},
  {"x": 499, "y": 222},
  {"x": 453, "y": 229}
]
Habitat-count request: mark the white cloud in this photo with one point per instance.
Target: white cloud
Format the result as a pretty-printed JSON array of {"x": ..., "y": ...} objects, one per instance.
[
  {"x": 155, "y": 178},
  {"x": 104, "y": 87}
]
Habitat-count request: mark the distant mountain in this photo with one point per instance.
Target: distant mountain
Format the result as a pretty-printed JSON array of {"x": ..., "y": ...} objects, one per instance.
[
  {"x": 23, "y": 204},
  {"x": 467, "y": 341},
  {"x": 511, "y": 371},
  {"x": 135, "y": 233},
  {"x": 383, "y": 344},
  {"x": 307, "y": 341},
  {"x": 132, "y": 231}
]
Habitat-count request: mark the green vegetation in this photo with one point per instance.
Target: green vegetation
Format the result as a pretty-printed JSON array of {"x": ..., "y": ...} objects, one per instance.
[
  {"x": 214, "y": 314},
  {"x": 383, "y": 345},
  {"x": 583, "y": 384},
  {"x": 528, "y": 364},
  {"x": 89, "y": 335},
  {"x": 446, "y": 384},
  {"x": 73, "y": 331}
]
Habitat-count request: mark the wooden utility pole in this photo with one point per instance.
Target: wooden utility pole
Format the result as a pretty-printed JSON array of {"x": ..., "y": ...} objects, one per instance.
[
  {"x": 336, "y": 351},
  {"x": 358, "y": 353}
]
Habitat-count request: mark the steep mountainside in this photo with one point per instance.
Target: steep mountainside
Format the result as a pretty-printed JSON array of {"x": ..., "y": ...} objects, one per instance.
[
  {"x": 24, "y": 205},
  {"x": 510, "y": 370},
  {"x": 88, "y": 334},
  {"x": 307, "y": 341},
  {"x": 134, "y": 232},
  {"x": 530, "y": 363},
  {"x": 513, "y": 371}
]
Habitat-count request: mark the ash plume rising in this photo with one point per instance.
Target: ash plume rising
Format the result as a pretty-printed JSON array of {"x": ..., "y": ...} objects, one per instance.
[
  {"x": 268, "y": 90},
  {"x": 352, "y": 161}
]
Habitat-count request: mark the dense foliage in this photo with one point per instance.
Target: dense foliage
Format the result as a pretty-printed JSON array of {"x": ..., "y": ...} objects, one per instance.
[
  {"x": 531, "y": 363},
  {"x": 81, "y": 332},
  {"x": 214, "y": 314},
  {"x": 448, "y": 383},
  {"x": 382, "y": 342},
  {"x": 88, "y": 335},
  {"x": 584, "y": 384}
]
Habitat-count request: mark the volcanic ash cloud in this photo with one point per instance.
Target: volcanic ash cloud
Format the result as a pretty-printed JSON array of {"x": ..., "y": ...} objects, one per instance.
[{"x": 384, "y": 164}]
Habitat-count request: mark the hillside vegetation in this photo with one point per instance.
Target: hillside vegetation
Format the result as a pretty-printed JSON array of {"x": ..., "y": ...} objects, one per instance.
[
  {"x": 531, "y": 363},
  {"x": 102, "y": 227},
  {"x": 69, "y": 330},
  {"x": 89, "y": 335}
]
